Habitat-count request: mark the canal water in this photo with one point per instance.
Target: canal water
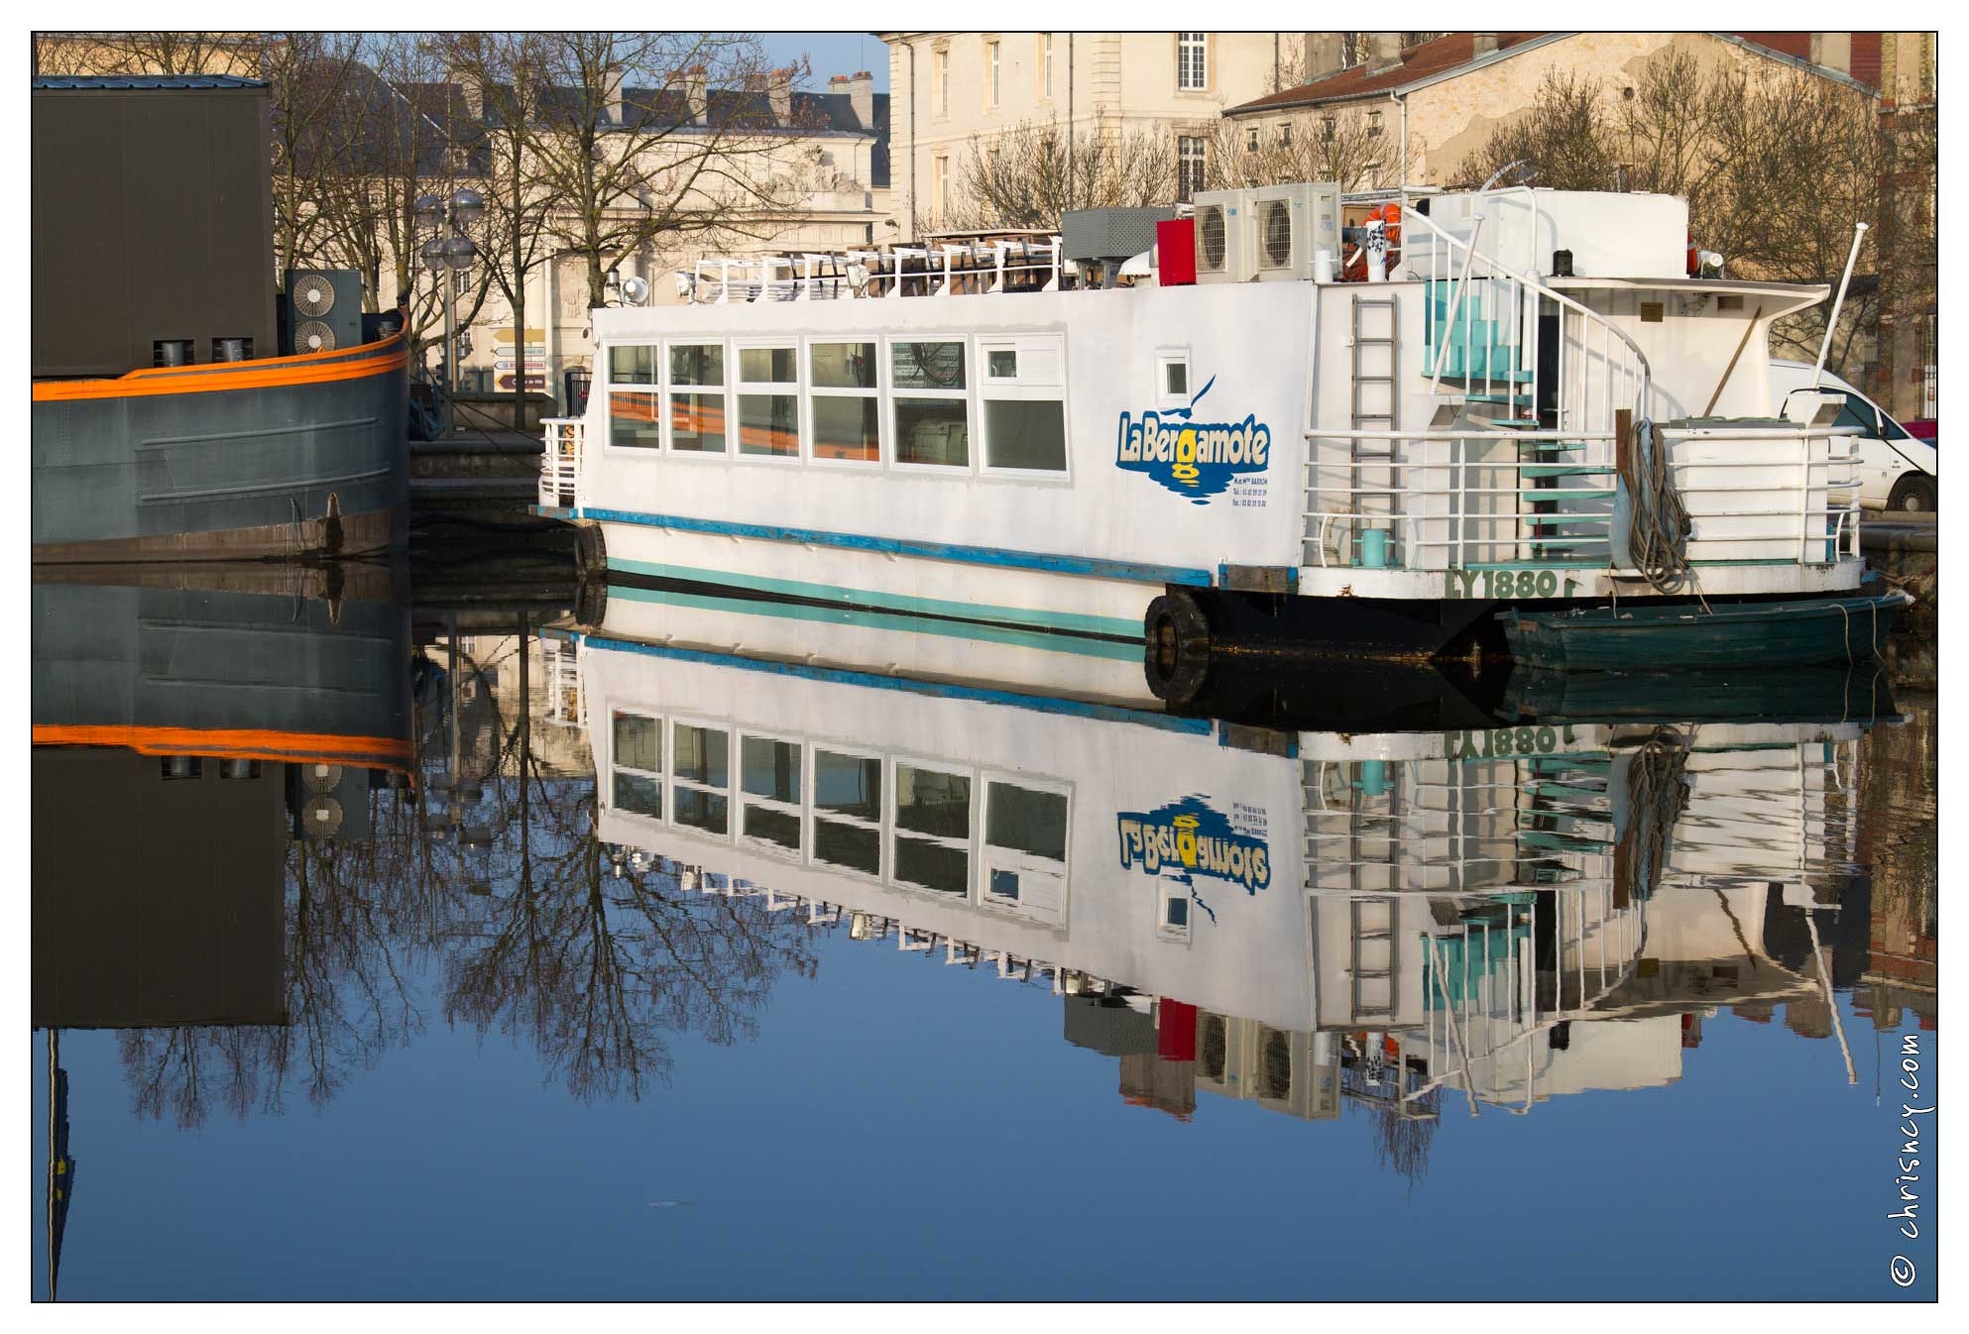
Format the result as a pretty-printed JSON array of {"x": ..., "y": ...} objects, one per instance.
[{"x": 354, "y": 979}]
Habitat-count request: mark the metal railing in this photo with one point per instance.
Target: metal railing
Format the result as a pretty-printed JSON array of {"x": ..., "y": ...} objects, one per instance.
[
  {"x": 979, "y": 267},
  {"x": 560, "y": 462},
  {"x": 1472, "y": 498}
]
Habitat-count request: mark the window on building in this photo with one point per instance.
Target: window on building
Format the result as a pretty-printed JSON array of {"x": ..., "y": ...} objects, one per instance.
[
  {"x": 940, "y": 183},
  {"x": 991, "y": 73},
  {"x": 932, "y": 419},
  {"x": 700, "y": 776},
  {"x": 942, "y": 89},
  {"x": 637, "y": 759},
  {"x": 1251, "y": 139},
  {"x": 632, "y": 412},
  {"x": 932, "y": 834},
  {"x": 842, "y": 399},
  {"x": 848, "y": 810},
  {"x": 1328, "y": 128},
  {"x": 1191, "y": 69},
  {"x": 1373, "y": 124},
  {"x": 1045, "y": 64},
  {"x": 1285, "y": 134},
  {"x": 1022, "y": 402},
  {"x": 697, "y": 397},
  {"x": 1189, "y": 166},
  {"x": 768, "y": 402},
  {"x": 769, "y": 791}
]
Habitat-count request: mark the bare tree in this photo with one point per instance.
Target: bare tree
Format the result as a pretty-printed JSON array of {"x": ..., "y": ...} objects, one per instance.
[
  {"x": 1343, "y": 147},
  {"x": 507, "y": 77},
  {"x": 94, "y": 53},
  {"x": 1030, "y": 174},
  {"x": 653, "y": 135},
  {"x": 1564, "y": 135}
]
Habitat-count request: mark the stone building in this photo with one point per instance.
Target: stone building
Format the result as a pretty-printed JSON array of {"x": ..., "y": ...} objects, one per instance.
[{"x": 954, "y": 88}]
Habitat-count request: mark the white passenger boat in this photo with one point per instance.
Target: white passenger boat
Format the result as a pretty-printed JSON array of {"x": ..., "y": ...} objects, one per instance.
[
  {"x": 1376, "y": 914},
  {"x": 1538, "y": 409}
]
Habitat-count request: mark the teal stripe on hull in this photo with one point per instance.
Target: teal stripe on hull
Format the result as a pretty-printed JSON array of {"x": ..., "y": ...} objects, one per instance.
[
  {"x": 1763, "y": 634},
  {"x": 1092, "y": 566},
  {"x": 868, "y": 600},
  {"x": 1036, "y": 639},
  {"x": 1074, "y": 708}
]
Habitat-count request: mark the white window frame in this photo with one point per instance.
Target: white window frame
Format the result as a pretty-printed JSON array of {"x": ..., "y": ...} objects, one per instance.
[
  {"x": 654, "y": 388},
  {"x": 895, "y": 832},
  {"x": 670, "y": 388},
  {"x": 991, "y": 855},
  {"x": 1022, "y": 389},
  {"x": 1190, "y": 178},
  {"x": 810, "y": 435},
  {"x": 940, "y": 61},
  {"x": 892, "y": 453},
  {"x": 744, "y": 801},
  {"x": 1192, "y": 48},
  {"x": 1168, "y": 889},
  {"x": 661, "y": 778},
  {"x": 1251, "y": 138},
  {"x": 796, "y": 387},
  {"x": 676, "y": 783},
  {"x": 879, "y": 826},
  {"x": 1166, "y": 357},
  {"x": 993, "y": 51},
  {"x": 1285, "y": 134},
  {"x": 1046, "y": 66}
]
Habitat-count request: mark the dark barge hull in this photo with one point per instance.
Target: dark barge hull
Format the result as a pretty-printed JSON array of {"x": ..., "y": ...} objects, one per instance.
[{"x": 284, "y": 457}]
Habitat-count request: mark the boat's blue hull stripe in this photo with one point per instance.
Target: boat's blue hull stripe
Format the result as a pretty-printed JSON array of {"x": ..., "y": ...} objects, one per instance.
[
  {"x": 1127, "y": 571},
  {"x": 939, "y": 689},
  {"x": 880, "y": 620},
  {"x": 862, "y": 599}
]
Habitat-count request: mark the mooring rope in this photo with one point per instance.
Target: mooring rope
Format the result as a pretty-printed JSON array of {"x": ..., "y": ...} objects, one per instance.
[{"x": 1659, "y": 533}]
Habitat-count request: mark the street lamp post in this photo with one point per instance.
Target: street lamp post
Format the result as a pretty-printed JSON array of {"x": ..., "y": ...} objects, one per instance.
[{"x": 448, "y": 256}]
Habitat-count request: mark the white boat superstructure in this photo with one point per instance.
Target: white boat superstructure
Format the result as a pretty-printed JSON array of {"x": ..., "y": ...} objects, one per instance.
[
  {"x": 1405, "y": 912},
  {"x": 1523, "y": 412}
]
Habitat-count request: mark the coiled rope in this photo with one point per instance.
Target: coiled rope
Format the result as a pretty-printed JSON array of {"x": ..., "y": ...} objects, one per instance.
[{"x": 1658, "y": 539}]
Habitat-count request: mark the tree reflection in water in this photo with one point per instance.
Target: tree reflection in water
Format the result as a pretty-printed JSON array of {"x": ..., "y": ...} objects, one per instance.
[{"x": 529, "y": 925}]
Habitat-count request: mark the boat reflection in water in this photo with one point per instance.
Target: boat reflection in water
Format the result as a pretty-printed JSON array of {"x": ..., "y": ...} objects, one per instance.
[{"x": 1549, "y": 903}]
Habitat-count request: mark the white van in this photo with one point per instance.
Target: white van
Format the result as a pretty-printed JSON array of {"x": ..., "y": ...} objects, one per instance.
[{"x": 1897, "y": 471}]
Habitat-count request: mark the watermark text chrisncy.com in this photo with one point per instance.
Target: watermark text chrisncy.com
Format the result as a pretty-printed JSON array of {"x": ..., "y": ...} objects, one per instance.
[{"x": 1909, "y": 1160}]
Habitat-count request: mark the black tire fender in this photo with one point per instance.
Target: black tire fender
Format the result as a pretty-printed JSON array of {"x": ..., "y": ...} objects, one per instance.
[{"x": 1175, "y": 647}]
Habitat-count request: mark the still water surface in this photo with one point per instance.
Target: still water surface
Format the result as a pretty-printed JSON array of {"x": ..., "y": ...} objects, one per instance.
[{"x": 361, "y": 983}]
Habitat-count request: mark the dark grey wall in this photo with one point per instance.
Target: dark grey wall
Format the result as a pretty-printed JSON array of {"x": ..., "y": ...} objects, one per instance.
[
  {"x": 156, "y": 902},
  {"x": 153, "y": 219}
]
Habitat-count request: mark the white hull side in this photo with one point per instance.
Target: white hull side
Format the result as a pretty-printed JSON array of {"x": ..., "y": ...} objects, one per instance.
[{"x": 1064, "y": 634}]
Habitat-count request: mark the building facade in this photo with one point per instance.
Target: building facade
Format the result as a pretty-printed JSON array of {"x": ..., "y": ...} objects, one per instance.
[{"x": 956, "y": 89}]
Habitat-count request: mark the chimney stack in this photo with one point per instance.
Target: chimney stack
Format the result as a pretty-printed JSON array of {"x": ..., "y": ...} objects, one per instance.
[
  {"x": 1482, "y": 44},
  {"x": 1384, "y": 51},
  {"x": 696, "y": 98},
  {"x": 861, "y": 94},
  {"x": 1325, "y": 53},
  {"x": 780, "y": 96},
  {"x": 612, "y": 94}
]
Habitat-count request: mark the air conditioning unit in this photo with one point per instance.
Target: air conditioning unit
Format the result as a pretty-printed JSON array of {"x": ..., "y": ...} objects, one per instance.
[
  {"x": 1290, "y": 224},
  {"x": 322, "y": 311},
  {"x": 1223, "y": 237}
]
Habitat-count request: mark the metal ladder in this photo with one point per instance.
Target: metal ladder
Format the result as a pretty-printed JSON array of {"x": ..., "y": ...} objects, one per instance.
[
  {"x": 1374, "y": 400},
  {"x": 1373, "y": 961}
]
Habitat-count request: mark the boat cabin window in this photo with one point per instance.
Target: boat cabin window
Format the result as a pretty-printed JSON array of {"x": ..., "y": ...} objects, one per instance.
[
  {"x": 637, "y": 754},
  {"x": 1023, "y": 401},
  {"x": 769, "y": 791},
  {"x": 1175, "y": 377},
  {"x": 1025, "y": 850},
  {"x": 697, "y": 397},
  {"x": 845, "y": 405},
  {"x": 768, "y": 422},
  {"x": 932, "y": 833},
  {"x": 1173, "y": 922},
  {"x": 701, "y": 777},
  {"x": 848, "y": 810},
  {"x": 932, "y": 403},
  {"x": 632, "y": 413}
]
